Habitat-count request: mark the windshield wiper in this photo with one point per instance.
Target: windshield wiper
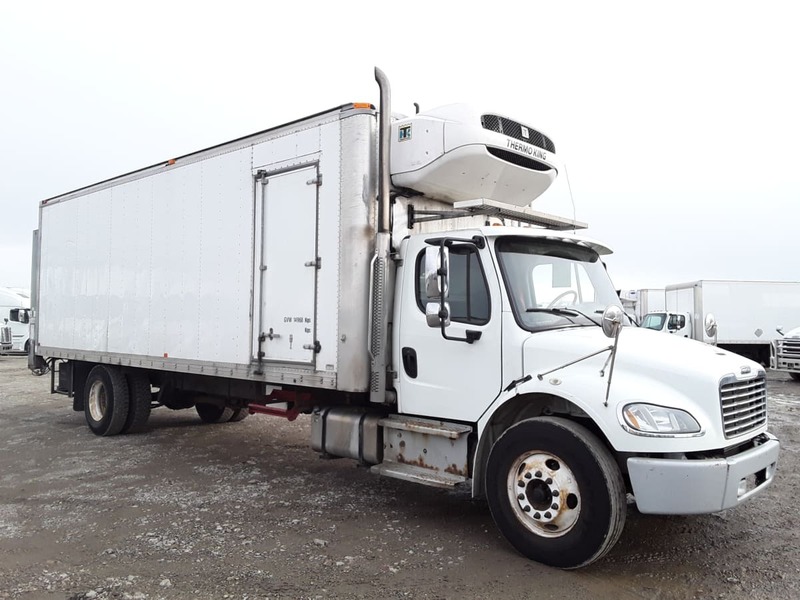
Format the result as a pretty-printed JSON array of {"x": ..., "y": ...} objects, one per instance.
[{"x": 565, "y": 312}]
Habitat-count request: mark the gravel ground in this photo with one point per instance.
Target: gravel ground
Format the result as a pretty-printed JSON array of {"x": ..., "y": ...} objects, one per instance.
[{"x": 247, "y": 510}]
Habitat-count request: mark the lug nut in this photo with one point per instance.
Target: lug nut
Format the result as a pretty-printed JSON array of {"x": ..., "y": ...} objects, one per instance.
[
  {"x": 548, "y": 481},
  {"x": 537, "y": 516},
  {"x": 521, "y": 497},
  {"x": 554, "y": 506},
  {"x": 526, "y": 508},
  {"x": 527, "y": 475},
  {"x": 547, "y": 515},
  {"x": 521, "y": 483},
  {"x": 538, "y": 474},
  {"x": 555, "y": 493}
]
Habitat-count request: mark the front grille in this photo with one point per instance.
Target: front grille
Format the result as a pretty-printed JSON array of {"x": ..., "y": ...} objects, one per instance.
[
  {"x": 5, "y": 335},
  {"x": 744, "y": 404},
  {"x": 516, "y": 159},
  {"x": 789, "y": 348},
  {"x": 515, "y": 130}
]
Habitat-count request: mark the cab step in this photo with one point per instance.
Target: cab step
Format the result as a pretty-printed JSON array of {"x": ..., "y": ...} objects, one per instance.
[
  {"x": 424, "y": 451},
  {"x": 418, "y": 475}
]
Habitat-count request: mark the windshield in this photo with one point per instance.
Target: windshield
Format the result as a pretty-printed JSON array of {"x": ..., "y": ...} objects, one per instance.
[
  {"x": 654, "y": 321},
  {"x": 550, "y": 282}
]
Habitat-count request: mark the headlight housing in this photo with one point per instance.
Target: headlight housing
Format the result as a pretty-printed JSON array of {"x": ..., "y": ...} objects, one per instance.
[{"x": 651, "y": 419}]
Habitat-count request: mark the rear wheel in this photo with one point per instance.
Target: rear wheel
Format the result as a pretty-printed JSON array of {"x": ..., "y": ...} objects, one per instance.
[
  {"x": 212, "y": 413},
  {"x": 106, "y": 400},
  {"x": 239, "y": 414},
  {"x": 140, "y": 397},
  {"x": 555, "y": 492}
]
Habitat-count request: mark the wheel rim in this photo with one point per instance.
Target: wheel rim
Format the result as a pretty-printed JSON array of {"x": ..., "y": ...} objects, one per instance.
[
  {"x": 98, "y": 401},
  {"x": 544, "y": 494}
]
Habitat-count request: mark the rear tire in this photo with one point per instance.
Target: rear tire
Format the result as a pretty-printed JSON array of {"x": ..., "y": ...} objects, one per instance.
[
  {"x": 555, "y": 492},
  {"x": 105, "y": 400},
  {"x": 211, "y": 413},
  {"x": 140, "y": 398},
  {"x": 239, "y": 414}
]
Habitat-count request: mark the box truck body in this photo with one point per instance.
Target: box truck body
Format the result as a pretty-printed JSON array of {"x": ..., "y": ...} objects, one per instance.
[
  {"x": 388, "y": 278},
  {"x": 650, "y": 300},
  {"x": 747, "y": 313}
]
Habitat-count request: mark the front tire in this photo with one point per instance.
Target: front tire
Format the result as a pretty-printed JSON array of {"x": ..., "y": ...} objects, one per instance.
[
  {"x": 106, "y": 400},
  {"x": 555, "y": 492},
  {"x": 795, "y": 376}
]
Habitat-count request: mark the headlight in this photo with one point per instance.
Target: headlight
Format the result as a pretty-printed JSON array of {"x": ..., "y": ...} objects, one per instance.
[{"x": 652, "y": 419}]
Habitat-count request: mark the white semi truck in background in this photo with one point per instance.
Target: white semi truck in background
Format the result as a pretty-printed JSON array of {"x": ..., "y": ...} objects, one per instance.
[
  {"x": 785, "y": 353},
  {"x": 746, "y": 313},
  {"x": 344, "y": 266},
  {"x": 14, "y": 312}
]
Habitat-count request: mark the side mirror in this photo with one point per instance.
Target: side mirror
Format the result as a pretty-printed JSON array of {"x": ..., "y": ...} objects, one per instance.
[
  {"x": 437, "y": 266},
  {"x": 612, "y": 320},
  {"x": 19, "y": 315},
  {"x": 710, "y": 325},
  {"x": 435, "y": 314}
]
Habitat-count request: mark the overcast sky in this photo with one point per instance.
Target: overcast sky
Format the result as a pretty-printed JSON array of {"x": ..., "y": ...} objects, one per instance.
[{"x": 678, "y": 121}]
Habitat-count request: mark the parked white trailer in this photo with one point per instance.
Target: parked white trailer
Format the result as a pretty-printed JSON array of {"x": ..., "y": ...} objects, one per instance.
[
  {"x": 746, "y": 313},
  {"x": 650, "y": 300},
  {"x": 785, "y": 353},
  {"x": 343, "y": 266}
]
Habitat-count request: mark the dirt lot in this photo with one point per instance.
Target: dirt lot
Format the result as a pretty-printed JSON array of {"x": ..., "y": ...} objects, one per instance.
[{"x": 247, "y": 510}]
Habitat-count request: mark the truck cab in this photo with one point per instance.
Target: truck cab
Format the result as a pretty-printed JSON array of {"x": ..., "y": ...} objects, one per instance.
[{"x": 679, "y": 324}]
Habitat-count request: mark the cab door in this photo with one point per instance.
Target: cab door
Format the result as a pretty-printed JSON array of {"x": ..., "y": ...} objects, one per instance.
[{"x": 449, "y": 378}]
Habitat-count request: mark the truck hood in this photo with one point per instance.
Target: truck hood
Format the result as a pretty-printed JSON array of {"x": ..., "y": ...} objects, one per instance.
[{"x": 649, "y": 367}]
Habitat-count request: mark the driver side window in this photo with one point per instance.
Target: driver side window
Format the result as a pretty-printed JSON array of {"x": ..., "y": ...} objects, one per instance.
[{"x": 469, "y": 292}]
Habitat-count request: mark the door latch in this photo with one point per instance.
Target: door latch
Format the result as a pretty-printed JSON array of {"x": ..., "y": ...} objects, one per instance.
[{"x": 316, "y": 347}]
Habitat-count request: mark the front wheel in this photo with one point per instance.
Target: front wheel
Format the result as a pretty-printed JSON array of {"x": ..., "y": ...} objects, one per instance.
[
  {"x": 555, "y": 492},
  {"x": 795, "y": 376}
]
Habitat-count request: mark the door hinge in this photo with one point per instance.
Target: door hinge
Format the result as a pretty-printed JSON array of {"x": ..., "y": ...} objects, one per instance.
[
  {"x": 316, "y": 181},
  {"x": 316, "y": 263}
]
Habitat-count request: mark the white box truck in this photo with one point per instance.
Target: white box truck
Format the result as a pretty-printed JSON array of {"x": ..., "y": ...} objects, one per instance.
[
  {"x": 344, "y": 266},
  {"x": 746, "y": 313},
  {"x": 785, "y": 352}
]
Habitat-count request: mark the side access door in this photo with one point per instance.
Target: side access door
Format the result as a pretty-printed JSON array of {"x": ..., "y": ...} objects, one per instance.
[{"x": 286, "y": 262}]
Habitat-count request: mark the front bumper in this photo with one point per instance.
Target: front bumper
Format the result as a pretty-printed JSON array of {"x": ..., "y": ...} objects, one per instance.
[{"x": 685, "y": 487}]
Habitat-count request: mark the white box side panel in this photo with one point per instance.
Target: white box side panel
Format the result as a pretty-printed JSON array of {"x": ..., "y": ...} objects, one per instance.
[
  {"x": 328, "y": 247},
  {"x": 152, "y": 267},
  {"x": 749, "y": 312},
  {"x": 129, "y": 267},
  {"x": 175, "y": 228},
  {"x": 74, "y": 273},
  {"x": 225, "y": 249},
  {"x": 359, "y": 188}
]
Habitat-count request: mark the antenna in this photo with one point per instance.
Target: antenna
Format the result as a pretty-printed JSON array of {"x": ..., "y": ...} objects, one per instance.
[{"x": 569, "y": 187}]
